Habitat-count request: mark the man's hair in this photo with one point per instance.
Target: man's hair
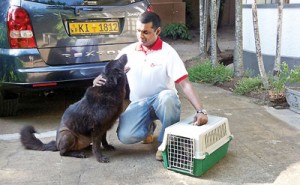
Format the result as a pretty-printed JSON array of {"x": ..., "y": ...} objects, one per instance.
[{"x": 148, "y": 17}]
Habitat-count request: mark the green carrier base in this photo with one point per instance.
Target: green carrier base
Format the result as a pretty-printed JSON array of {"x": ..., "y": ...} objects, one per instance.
[{"x": 200, "y": 166}]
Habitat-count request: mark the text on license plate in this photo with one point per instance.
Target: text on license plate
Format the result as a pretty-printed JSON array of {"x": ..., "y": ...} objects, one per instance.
[{"x": 88, "y": 28}]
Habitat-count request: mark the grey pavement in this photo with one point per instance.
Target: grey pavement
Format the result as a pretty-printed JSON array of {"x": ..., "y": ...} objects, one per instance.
[{"x": 265, "y": 150}]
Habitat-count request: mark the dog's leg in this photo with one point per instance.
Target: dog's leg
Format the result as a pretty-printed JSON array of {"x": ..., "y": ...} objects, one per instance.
[
  {"x": 97, "y": 148},
  {"x": 105, "y": 143},
  {"x": 67, "y": 144},
  {"x": 75, "y": 153}
]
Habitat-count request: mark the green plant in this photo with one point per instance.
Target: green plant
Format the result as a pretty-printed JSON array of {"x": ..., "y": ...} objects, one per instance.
[
  {"x": 248, "y": 84},
  {"x": 176, "y": 31},
  {"x": 207, "y": 73},
  {"x": 294, "y": 75},
  {"x": 285, "y": 77}
]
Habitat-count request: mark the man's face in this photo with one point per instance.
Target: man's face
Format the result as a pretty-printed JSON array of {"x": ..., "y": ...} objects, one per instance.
[{"x": 146, "y": 34}]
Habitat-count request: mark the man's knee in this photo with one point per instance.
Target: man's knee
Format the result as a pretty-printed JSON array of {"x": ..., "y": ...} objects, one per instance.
[
  {"x": 169, "y": 101},
  {"x": 129, "y": 138},
  {"x": 168, "y": 97}
]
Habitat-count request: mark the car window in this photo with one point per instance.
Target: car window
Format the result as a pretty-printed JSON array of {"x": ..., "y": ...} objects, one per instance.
[{"x": 86, "y": 2}]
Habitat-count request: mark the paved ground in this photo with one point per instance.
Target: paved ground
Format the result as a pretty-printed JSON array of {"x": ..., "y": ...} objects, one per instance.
[{"x": 265, "y": 149}]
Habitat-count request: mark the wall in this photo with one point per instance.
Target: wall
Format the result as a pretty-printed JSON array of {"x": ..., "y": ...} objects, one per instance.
[
  {"x": 267, "y": 25},
  {"x": 267, "y": 1},
  {"x": 228, "y": 18},
  {"x": 193, "y": 8},
  {"x": 170, "y": 11}
]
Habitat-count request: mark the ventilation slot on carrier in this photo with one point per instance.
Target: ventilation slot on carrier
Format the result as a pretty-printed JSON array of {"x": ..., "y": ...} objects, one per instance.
[{"x": 215, "y": 135}]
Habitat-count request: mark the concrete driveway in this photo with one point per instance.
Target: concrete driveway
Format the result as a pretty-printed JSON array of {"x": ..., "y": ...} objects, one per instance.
[{"x": 265, "y": 150}]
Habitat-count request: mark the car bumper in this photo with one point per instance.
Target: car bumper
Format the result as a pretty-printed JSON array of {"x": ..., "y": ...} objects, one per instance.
[{"x": 25, "y": 67}]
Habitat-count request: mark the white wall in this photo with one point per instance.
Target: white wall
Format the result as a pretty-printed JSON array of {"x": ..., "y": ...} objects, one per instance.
[
  {"x": 267, "y": 21},
  {"x": 263, "y": 1},
  {"x": 257, "y": 1},
  {"x": 294, "y": 1}
]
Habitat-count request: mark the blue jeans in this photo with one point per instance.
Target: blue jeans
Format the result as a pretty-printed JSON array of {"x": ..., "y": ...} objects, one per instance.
[{"x": 135, "y": 122}]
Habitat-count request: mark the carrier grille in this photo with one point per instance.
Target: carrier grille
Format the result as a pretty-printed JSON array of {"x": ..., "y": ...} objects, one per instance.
[
  {"x": 181, "y": 153},
  {"x": 215, "y": 135}
]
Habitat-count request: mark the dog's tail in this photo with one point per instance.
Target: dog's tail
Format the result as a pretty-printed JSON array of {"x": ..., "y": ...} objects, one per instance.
[{"x": 29, "y": 141}]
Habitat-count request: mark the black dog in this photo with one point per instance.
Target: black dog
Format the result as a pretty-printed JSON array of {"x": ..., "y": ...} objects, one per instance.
[{"x": 87, "y": 120}]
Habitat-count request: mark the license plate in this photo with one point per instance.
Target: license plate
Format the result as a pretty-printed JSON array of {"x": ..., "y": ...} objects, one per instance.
[{"x": 94, "y": 28}]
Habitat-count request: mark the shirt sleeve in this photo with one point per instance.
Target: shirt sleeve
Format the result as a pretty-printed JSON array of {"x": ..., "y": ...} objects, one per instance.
[{"x": 176, "y": 69}]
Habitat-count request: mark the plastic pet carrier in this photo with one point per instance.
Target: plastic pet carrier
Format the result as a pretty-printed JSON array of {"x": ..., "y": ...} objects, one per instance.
[{"x": 193, "y": 149}]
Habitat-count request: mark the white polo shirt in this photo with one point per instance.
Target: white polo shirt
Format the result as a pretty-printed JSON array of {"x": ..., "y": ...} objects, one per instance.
[{"x": 153, "y": 71}]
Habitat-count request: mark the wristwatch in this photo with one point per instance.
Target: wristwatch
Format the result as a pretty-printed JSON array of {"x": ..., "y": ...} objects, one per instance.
[{"x": 202, "y": 111}]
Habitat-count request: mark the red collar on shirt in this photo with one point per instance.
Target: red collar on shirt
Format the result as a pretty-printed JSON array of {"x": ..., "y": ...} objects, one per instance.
[{"x": 156, "y": 46}]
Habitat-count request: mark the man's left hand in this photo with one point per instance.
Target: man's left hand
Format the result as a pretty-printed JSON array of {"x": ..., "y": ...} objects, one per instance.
[
  {"x": 99, "y": 81},
  {"x": 200, "y": 119}
]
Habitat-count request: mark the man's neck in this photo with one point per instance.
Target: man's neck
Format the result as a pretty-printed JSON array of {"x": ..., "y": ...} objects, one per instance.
[
  {"x": 157, "y": 45},
  {"x": 147, "y": 48}
]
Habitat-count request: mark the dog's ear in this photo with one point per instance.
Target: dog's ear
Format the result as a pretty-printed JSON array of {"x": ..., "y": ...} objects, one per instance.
[{"x": 122, "y": 61}]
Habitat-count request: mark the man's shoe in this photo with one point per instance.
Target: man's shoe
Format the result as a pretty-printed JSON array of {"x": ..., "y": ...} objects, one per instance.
[
  {"x": 149, "y": 139},
  {"x": 159, "y": 156}
]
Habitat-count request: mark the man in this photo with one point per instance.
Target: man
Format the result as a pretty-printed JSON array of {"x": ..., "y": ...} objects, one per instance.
[{"x": 153, "y": 69}]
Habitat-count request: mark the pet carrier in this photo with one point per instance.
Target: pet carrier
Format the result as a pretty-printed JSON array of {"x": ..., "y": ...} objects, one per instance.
[{"x": 193, "y": 149}]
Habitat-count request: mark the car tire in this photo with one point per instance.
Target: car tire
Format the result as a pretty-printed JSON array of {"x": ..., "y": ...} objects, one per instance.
[{"x": 8, "y": 104}]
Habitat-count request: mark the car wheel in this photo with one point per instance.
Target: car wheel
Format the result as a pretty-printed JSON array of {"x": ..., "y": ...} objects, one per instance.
[{"x": 8, "y": 104}]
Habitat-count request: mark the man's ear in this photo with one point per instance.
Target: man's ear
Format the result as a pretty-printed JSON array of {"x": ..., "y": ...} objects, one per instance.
[{"x": 158, "y": 30}]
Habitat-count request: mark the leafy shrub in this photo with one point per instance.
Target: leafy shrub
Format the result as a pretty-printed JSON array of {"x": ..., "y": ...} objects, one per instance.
[
  {"x": 207, "y": 73},
  {"x": 285, "y": 77},
  {"x": 176, "y": 31},
  {"x": 246, "y": 85}
]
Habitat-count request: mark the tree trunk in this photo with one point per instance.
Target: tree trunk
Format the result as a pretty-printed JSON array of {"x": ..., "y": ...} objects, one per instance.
[
  {"x": 203, "y": 8},
  {"x": 213, "y": 27},
  {"x": 218, "y": 3},
  {"x": 218, "y": 10},
  {"x": 258, "y": 47},
  {"x": 217, "y": 22},
  {"x": 206, "y": 8},
  {"x": 201, "y": 23},
  {"x": 238, "y": 62},
  {"x": 277, "y": 62}
]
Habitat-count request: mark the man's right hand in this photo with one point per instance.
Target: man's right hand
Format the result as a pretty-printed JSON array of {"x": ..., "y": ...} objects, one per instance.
[{"x": 99, "y": 81}]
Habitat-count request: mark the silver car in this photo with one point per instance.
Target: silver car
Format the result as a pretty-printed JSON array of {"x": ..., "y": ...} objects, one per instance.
[{"x": 47, "y": 44}]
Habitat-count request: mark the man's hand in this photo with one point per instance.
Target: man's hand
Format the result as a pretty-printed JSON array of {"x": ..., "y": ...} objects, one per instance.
[
  {"x": 200, "y": 119},
  {"x": 99, "y": 81}
]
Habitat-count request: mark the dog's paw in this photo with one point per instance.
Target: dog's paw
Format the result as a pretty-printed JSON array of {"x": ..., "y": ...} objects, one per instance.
[
  {"x": 79, "y": 155},
  {"x": 109, "y": 147},
  {"x": 82, "y": 155},
  {"x": 103, "y": 159}
]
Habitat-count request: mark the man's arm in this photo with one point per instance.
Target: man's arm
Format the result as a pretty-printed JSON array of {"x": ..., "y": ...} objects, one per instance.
[{"x": 189, "y": 91}]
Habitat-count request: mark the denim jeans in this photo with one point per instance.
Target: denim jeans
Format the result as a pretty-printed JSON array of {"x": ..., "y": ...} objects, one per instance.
[{"x": 135, "y": 122}]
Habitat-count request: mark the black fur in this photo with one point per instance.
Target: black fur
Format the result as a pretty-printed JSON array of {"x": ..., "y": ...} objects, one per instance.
[{"x": 87, "y": 120}]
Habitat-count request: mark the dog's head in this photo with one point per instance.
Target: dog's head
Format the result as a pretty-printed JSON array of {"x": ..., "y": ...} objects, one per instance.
[{"x": 114, "y": 70}]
